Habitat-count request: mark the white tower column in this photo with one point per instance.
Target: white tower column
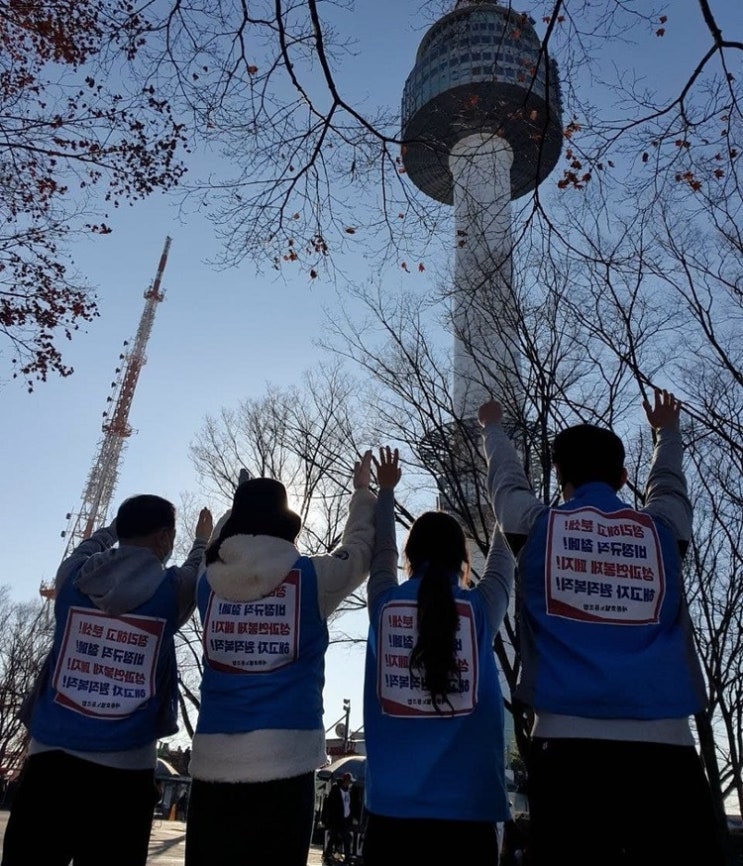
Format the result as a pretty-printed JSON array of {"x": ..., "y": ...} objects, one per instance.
[{"x": 484, "y": 348}]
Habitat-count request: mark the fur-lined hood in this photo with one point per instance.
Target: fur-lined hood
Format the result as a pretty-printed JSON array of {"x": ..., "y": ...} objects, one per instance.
[{"x": 250, "y": 566}]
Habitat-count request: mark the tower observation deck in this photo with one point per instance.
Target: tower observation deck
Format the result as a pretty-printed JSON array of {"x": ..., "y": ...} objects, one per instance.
[
  {"x": 481, "y": 126},
  {"x": 481, "y": 69}
]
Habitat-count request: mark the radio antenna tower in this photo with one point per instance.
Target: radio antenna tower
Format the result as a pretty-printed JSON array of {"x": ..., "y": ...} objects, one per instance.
[{"x": 104, "y": 472}]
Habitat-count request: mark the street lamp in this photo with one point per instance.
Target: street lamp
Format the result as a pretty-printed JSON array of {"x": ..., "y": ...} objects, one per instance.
[{"x": 347, "y": 725}]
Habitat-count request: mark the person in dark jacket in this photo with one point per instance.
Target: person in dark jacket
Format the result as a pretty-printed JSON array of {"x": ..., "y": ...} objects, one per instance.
[{"x": 338, "y": 819}]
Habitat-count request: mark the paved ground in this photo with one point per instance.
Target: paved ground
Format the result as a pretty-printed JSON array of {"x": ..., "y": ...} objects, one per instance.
[{"x": 167, "y": 845}]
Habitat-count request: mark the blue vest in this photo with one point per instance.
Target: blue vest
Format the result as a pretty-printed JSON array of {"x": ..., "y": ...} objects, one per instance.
[
  {"x": 423, "y": 764},
  {"x": 264, "y": 660},
  {"x": 111, "y": 682},
  {"x": 605, "y": 631}
]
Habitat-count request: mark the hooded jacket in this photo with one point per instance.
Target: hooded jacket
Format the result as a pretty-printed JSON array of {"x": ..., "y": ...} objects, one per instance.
[
  {"x": 128, "y": 607},
  {"x": 259, "y": 588}
]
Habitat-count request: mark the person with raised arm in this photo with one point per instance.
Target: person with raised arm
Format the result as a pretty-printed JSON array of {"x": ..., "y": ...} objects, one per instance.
[
  {"x": 608, "y": 662},
  {"x": 259, "y": 738},
  {"x": 435, "y": 787},
  {"x": 107, "y": 693}
]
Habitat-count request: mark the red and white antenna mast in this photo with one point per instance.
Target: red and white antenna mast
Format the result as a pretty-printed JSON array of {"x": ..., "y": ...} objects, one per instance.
[{"x": 101, "y": 483}]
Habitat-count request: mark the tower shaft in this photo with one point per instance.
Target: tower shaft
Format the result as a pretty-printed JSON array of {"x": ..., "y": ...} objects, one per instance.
[
  {"x": 480, "y": 166},
  {"x": 103, "y": 475}
]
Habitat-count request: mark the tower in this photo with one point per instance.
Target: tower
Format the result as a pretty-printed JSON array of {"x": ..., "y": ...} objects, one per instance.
[
  {"x": 481, "y": 125},
  {"x": 103, "y": 475}
]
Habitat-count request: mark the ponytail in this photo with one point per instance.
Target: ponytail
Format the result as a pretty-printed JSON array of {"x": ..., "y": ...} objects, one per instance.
[
  {"x": 436, "y": 550},
  {"x": 433, "y": 657}
]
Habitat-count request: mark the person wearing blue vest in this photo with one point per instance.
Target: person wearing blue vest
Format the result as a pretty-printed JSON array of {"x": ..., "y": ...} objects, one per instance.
[
  {"x": 259, "y": 735},
  {"x": 609, "y": 668},
  {"x": 435, "y": 788},
  {"x": 106, "y": 694}
]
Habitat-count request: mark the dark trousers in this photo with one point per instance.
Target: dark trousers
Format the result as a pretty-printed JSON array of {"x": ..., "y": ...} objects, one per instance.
[
  {"x": 340, "y": 834},
  {"x": 66, "y": 809},
  {"x": 232, "y": 823},
  {"x": 619, "y": 804},
  {"x": 406, "y": 841}
]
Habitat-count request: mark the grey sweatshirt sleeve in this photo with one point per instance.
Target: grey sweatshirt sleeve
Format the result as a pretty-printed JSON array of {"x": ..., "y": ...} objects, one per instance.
[
  {"x": 102, "y": 539},
  {"x": 497, "y": 580},
  {"x": 185, "y": 576},
  {"x": 666, "y": 495},
  {"x": 383, "y": 571},
  {"x": 515, "y": 506}
]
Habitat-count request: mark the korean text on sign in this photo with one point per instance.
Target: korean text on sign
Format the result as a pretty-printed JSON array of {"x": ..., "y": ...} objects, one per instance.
[
  {"x": 401, "y": 691},
  {"x": 255, "y": 636},
  {"x": 106, "y": 665},
  {"x": 604, "y": 567}
]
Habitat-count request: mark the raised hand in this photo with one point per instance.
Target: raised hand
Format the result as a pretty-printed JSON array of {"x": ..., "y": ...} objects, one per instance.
[
  {"x": 362, "y": 471},
  {"x": 204, "y": 525},
  {"x": 665, "y": 412},
  {"x": 387, "y": 468},
  {"x": 490, "y": 413}
]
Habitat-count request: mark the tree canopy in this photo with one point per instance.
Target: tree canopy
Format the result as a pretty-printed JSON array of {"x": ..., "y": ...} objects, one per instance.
[
  {"x": 78, "y": 138},
  {"x": 106, "y": 96}
]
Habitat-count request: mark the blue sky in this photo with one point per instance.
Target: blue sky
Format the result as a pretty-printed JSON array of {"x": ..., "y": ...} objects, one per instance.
[{"x": 219, "y": 337}]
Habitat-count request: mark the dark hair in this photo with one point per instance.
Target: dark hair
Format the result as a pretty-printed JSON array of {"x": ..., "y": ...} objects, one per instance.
[
  {"x": 259, "y": 507},
  {"x": 436, "y": 549},
  {"x": 585, "y": 453},
  {"x": 142, "y": 515}
]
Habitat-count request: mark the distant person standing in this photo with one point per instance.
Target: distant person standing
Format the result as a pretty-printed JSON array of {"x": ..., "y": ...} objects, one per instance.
[
  {"x": 338, "y": 819},
  {"x": 435, "y": 784},
  {"x": 260, "y": 736},
  {"x": 609, "y": 665},
  {"x": 106, "y": 694}
]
